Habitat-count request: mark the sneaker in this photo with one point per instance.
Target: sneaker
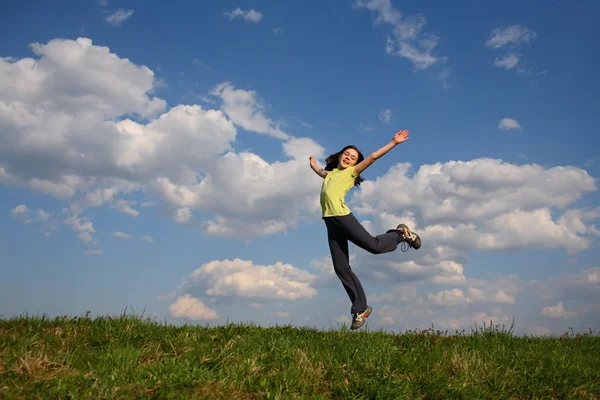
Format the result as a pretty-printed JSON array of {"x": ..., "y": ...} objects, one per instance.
[
  {"x": 411, "y": 238},
  {"x": 359, "y": 319}
]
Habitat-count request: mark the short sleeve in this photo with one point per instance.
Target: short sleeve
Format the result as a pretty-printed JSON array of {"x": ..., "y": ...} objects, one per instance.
[{"x": 352, "y": 174}]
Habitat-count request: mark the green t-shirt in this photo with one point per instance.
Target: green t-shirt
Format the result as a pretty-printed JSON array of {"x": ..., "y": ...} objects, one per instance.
[{"x": 335, "y": 186}]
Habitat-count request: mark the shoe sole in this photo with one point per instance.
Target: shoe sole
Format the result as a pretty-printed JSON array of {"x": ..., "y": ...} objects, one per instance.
[
  {"x": 417, "y": 242},
  {"x": 368, "y": 312}
]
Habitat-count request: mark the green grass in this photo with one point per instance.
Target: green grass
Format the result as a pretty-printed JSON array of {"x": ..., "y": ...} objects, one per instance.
[{"x": 128, "y": 357}]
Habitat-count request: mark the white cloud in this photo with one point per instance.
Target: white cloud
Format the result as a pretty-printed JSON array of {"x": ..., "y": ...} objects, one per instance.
[
  {"x": 94, "y": 252},
  {"x": 79, "y": 223},
  {"x": 190, "y": 307},
  {"x": 42, "y": 215},
  {"x": 305, "y": 124},
  {"x": 280, "y": 314},
  {"x": 183, "y": 215},
  {"x": 557, "y": 311},
  {"x": 147, "y": 238},
  {"x": 118, "y": 17},
  {"x": 124, "y": 206},
  {"x": 508, "y": 61},
  {"x": 259, "y": 198},
  {"x": 278, "y": 31},
  {"x": 71, "y": 123},
  {"x": 385, "y": 116},
  {"x": 247, "y": 15},
  {"x": 366, "y": 127},
  {"x": 470, "y": 194},
  {"x": 582, "y": 286},
  {"x": 514, "y": 34},
  {"x": 489, "y": 293},
  {"x": 22, "y": 213},
  {"x": 86, "y": 237},
  {"x": 75, "y": 121},
  {"x": 197, "y": 62},
  {"x": 121, "y": 235},
  {"x": 246, "y": 110},
  {"x": 244, "y": 280},
  {"x": 448, "y": 298},
  {"x": 408, "y": 41},
  {"x": 428, "y": 270},
  {"x": 539, "y": 330},
  {"x": 508, "y": 123}
]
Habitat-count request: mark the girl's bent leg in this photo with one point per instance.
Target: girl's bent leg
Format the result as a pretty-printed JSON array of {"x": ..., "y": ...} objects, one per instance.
[
  {"x": 358, "y": 235},
  {"x": 338, "y": 246}
]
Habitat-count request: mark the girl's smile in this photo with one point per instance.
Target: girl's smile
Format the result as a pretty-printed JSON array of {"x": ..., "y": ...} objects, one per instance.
[{"x": 349, "y": 158}]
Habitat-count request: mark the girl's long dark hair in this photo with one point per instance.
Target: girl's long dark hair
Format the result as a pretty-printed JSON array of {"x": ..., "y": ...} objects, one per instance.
[{"x": 332, "y": 161}]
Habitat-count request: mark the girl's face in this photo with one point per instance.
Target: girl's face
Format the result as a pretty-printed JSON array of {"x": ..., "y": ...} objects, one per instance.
[{"x": 348, "y": 158}]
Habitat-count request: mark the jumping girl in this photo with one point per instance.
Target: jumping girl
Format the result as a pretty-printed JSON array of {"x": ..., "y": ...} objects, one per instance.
[{"x": 341, "y": 173}]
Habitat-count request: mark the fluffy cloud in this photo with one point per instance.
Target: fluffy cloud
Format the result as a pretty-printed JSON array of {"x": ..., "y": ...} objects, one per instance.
[
  {"x": 429, "y": 269},
  {"x": 280, "y": 314},
  {"x": 147, "y": 238},
  {"x": 121, "y": 235},
  {"x": 407, "y": 41},
  {"x": 385, "y": 116},
  {"x": 482, "y": 194},
  {"x": 557, "y": 311},
  {"x": 94, "y": 252},
  {"x": 514, "y": 34},
  {"x": 456, "y": 297},
  {"x": 68, "y": 111},
  {"x": 246, "y": 110},
  {"x": 250, "y": 197},
  {"x": 57, "y": 110},
  {"x": 583, "y": 286},
  {"x": 190, "y": 307},
  {"x": 459, "y": 207},
  {"x": 243, "y": 280},
  {"x": 507, "y": 61},
  {"x": 79, "y": 223},
  {"x": 508, "y": 123},
  {"x": 246, "y": 15},
  {"x": 118, "y": 17},
  {"x": 23, "y": 214},
  {"x": 124, "y": 206}
]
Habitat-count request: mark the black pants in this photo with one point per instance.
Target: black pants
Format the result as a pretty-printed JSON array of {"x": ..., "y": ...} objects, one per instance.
[{"x": 347, "y": 227}]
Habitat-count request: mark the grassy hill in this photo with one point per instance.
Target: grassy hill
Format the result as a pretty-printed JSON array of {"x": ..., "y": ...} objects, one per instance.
[{"x": 127, "y": 357}]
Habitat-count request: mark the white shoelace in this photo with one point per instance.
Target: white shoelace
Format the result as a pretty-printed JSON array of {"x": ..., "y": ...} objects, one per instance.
[{"x": 410, "y": 236}]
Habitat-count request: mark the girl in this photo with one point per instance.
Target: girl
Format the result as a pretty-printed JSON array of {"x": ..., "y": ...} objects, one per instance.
[{"x": 341, "y": 173}]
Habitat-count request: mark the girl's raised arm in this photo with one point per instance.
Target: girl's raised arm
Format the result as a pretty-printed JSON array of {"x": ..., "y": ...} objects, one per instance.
[
  {"x": 399, "y": 137},
  {"x": 318, "y": 170}
]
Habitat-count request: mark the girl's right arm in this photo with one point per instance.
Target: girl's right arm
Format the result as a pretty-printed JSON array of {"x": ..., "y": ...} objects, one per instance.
[{"x": 318, "y": 170}]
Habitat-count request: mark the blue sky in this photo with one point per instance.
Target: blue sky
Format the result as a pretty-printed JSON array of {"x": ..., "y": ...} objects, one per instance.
[{"x": 155, "y": 156}]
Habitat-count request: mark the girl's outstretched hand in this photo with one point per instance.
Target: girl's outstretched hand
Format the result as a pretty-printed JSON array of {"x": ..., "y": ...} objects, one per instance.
[
  {"x": 401, "y": 136},
  {"x": 313, "y": 162}
]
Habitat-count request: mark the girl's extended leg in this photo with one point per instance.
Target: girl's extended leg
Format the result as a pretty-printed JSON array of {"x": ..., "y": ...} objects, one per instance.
[
  {"x": 338, "y": 246},
  {"x": 358, "y": 235}
]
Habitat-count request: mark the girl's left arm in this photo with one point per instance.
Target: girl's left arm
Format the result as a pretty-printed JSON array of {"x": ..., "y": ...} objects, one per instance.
[{"x": 399, "y": 137}]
